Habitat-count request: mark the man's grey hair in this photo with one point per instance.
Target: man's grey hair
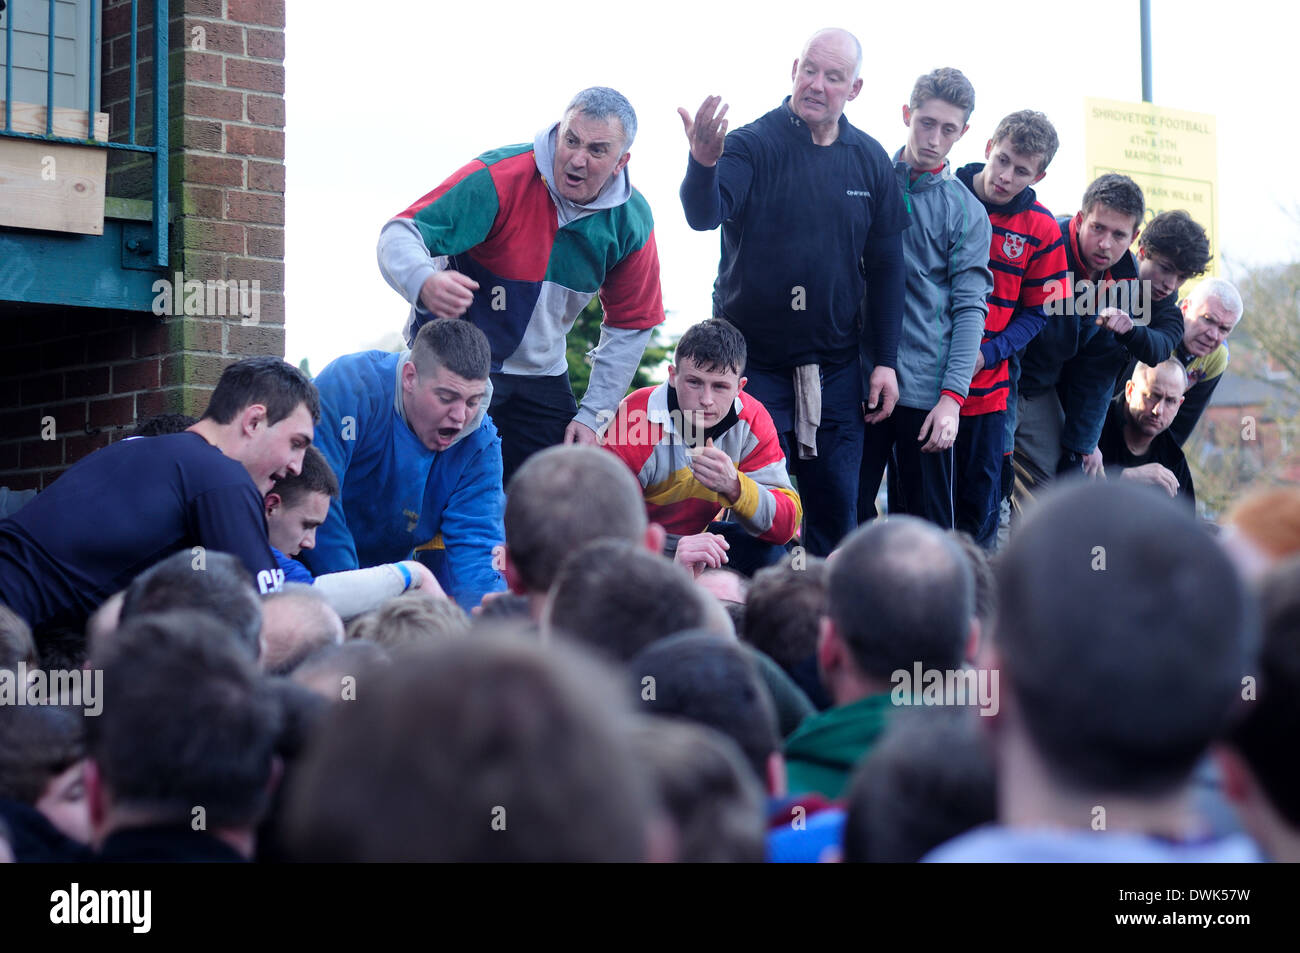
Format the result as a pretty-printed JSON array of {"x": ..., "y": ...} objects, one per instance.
[
  {"x": 1222, "y": 291},
  {"x": 601, "y": 102}
]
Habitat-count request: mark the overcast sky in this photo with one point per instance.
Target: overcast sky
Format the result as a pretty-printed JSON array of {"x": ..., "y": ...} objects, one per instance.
[{"x": 387, "y": 98}]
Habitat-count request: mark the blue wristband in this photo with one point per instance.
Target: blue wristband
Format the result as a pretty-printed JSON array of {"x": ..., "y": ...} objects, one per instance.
[{"x": 406, "y": 575}]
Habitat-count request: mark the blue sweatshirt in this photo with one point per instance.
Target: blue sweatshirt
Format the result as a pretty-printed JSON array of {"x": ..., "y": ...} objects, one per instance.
[
  {"x": 394, "y": 493},
  {"x": 801, "y": 225}
]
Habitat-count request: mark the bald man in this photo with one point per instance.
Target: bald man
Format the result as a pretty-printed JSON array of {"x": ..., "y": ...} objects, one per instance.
[
  {"x": 1135, "y": 443},
  {"x": 811, "y": 215}
]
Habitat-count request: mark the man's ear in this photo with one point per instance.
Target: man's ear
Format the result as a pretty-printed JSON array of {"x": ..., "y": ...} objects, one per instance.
[
  {"x": 1038, "y": 178},
  {"x": 622, "y": 162},
  {"x": 672, "y": 376},
  {"x": 1078, "y": 218},
  {"x": 1128, "y": 389},
  {"x": 252, "y": 418},
  {"x": 907, "y": 115},
  {"x": 741, "y": 384},
  {"x": 271, "y": 502},
  {"x": 655, "y": 537},
  {"x": 1182, "y": 305},
  {"x": 828, "y": 645},
  {"x": 857, "y": 88},
  {"x": 794, "y": 70},
  {"x": 409, "y": 376},
  {"x": 963, "y": 131},
  {"x": 988, "y": 151},
  {"x": 514, "y": 581}
]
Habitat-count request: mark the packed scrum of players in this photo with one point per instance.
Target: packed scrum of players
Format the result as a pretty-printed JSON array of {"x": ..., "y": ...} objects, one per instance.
[{"x": 317, "y": 586}]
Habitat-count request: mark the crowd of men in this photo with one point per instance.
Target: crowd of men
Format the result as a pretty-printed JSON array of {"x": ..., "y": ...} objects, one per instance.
[{"x": 420, "y": 607}]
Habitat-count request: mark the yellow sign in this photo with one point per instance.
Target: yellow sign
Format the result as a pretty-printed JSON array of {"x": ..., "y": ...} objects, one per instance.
[{"x": 1171, "y": 154}]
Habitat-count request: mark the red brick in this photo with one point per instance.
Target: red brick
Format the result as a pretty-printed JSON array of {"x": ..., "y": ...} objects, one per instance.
[
  {"x": 155, "y": 402},
  {"x": 264, "y": 242},
  {"x": 33, "y": 454},
  {"x": 211, "y": 103},
  {"x": 266, "y": 110},
  {"x": 112, "y": 412},
  {"x": 269, "y": 274},
  {"x": 202, "y": 202},
  {"x": 23, "y": 481},
  {"x": 203, "y": 8},
  {"x": 116, "y": 20},
  {"x": 261, "y": 12},
  {"x": 109, "y": 346},
  {"x": 254, "y": 74},
  {"x": 266, "y": 44},
  {"x": 138, "y": 375},
  {"x": 209, "y": 170},
  {"x": 255, "y": 339},
  {"x": 193, "y": 369},
  {"x": 24, "y": 424},
  {"x": 46, "y": 389},
  {"x": 216, "y": 37},
  {"x": 251, "y": 141},
  {"x": 200, "y": 134},
  {"x": 151, "y": 340},
  {"x": 266, "y": 176},
  {"x": 272, "y": 306},
  {"x": 83, "y": 445},
  {"x": 249, "y": 207},
  {"x": 68, "y": 418},
  {"x": 194, "y": 334},
  {"x": 202, "y": 67},
  {"x": 214, "y": 236},
  {"x": 202, "y": 265},
  {"x": 86, "y": 382}
]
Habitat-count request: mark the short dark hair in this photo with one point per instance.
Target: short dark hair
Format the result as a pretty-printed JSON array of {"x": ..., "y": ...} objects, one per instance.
[
  {"x": 1124, "y": 632},
  {"x": 484, "y": 749},
  {"x": 1116, "y": 192},
  {"x": 454, "y": 343},
  {"x": 1180, "y": 238},
  {"x": 617, "y": 598},
  {"x": 714, "y": 800},
  {"x": 562, "y": 498},
  {"x": 947, "y": 84},
  {"x": 188, "y": 722},
  {"x": 315, "y": 477},
  {"x": 36, "y": 744},
  {"x": 1268, "y": 733},
  {"x": 324, "y": 671},
  {"x": 928, "y": 780},
  {"x": 712, "y": 345},
  {"x": 708, "y": 679},
  {"x": 270, "y": 381},
  {"x": 211, "y": 582},
  {"x": 900, "y": 592},
  {"x": 161, "y": 424},
  {"x": 1029, "y": 132},
  {"x": 784, "y": 611}
]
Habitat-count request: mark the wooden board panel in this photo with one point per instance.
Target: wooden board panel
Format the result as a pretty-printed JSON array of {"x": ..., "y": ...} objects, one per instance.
[
  {"x": 69, "y": 123},
  {"x": 52, "y": 186}
]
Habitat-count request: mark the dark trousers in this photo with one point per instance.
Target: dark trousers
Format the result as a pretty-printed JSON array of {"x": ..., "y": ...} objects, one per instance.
[
  {"x": 828, "y": 483},
  {"x": 920, "y": 484},
  {"x": 977, "y": 478},
  {"x": 530, "y": 414}
]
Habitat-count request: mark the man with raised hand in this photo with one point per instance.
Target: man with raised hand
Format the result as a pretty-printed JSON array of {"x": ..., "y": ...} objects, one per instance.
[
  {"x": 810, "y": 213},
  {"x": 518, "y": 242}
]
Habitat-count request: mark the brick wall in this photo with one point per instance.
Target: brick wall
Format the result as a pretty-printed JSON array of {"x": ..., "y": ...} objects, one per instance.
[{"x": 96, "y": 372}]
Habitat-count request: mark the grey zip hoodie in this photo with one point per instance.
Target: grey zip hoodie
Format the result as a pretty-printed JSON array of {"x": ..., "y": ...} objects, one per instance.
[{"x": 946, "y": 250}]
